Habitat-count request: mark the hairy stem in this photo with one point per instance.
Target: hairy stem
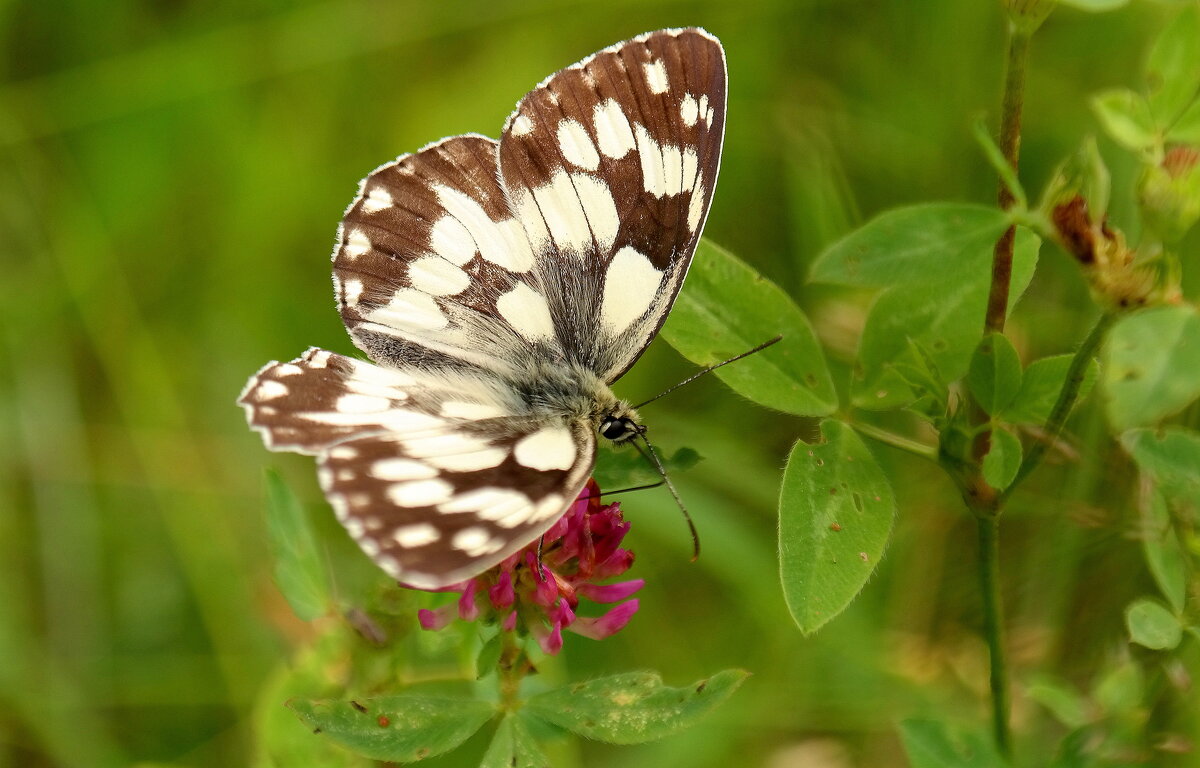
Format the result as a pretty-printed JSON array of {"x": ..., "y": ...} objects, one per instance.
[
  {"x": 993, "y": 629},
  {"x": 1076, "y": 373},
  {"x": 1010, "y": 146}
]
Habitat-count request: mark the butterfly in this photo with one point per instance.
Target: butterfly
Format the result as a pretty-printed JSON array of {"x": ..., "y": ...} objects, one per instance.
[{"x": 500, "y": 288}]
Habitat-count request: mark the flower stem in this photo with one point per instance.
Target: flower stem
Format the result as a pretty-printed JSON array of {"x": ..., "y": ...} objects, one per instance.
[
  {"x": 1076, "y": 373},
  {"x": 512, "y": 669},
  {"x": 1010, "y": 146},
  {"x": 993, "y": 629},
  {"x": 896, "y": 441}
]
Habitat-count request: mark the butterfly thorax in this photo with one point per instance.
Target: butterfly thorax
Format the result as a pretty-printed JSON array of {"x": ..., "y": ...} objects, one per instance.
[{"x": 573, "y": 392}]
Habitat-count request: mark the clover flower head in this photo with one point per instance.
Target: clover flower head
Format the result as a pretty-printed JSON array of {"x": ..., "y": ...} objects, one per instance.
[{"x": 580, "y": 552}]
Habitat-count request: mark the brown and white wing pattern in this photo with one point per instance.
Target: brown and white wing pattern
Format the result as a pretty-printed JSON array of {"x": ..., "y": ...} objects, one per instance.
[
  {"x": 429, "y": 263},
  {"x": 610, "y": 165},
  {"x": 436, "y": 479}
]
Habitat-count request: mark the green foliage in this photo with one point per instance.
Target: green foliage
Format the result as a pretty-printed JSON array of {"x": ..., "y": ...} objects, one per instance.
[
  {"x": 402, "y": 728},
  {"x": 1150, "y": 365},
  {"x": 1126, "y": 118},
  {"x": 633, "y": 707},
  {"x": 513, "y": 746},
  {"x": 929, "y": 744},
  {"x": 1171, "y": 457},
  {"x": 726, "y": 308},
  {"x": 1003, "y": 459},
  {"x": 835, "y": 515},
  {"x": 620, "y": 467},
  {"x": 1164, "y": 555},
  {"x": 1152, "y": 625},
  {"x": 1041, "y": 384},
  {"x": 1173, "y": 68},
  {"x": 994, "y": 375},
  {"x": 299, "y": 571}
]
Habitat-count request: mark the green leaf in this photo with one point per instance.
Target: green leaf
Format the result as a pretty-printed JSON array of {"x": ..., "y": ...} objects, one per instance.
[
  {"x": 513, "y": 747},
  {"x": 299, "y": 571},
  {"x": 944, "y": 316},
  {"x": 1173, "y": 68},
  {"x": 1150, "y": 366},
  {"x": 1126, "y": 118},
  {"x": 620, "y": 467},
  {"x": 1041, "y": 385},
  {"x": 835, "y": 515},
  {"x": 994, "y": 375},
  {"x": 634, "y": 707},
  {"x": 1121, "y": 689},
  {"x": 1064, "y": 702},
  {"x": 1003, "y": 459},
  {"x": 1152, "y": 625},
  {"x": 914, "y": 245},
  {"x": 1095, "y": 6},
  {"x": 725, "y": 309},
  {"x": 488, "y": 658},
  {"x": 1171, "y": 456},
  {"x": 1164, "y": 555},
  {"x": 1187, "y": 128},
  {"x": 929, "y": 744},
  {"x": 401, "y": 729}
]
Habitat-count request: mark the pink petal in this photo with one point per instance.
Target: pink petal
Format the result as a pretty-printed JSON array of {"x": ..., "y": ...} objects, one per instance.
[
  {"x": 468, "y": 610},
  {"x": 510, "y": 622},
  {"x": 501, "y": 593},
  {"x": 550, "y": 640},
  {"x": 606, "y": 625},
  {"x": 610, "y": 593},
  {"x": 434, "y": 620}
]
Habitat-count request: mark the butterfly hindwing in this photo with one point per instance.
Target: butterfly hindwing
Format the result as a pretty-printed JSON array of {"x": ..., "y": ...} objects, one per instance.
[
  {"x": 610, "y": 164},
  {"x": 436, "y": 478}
]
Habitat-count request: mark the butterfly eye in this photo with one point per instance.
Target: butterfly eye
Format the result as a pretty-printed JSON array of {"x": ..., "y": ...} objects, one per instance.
[{"x": 616, "y": 429}]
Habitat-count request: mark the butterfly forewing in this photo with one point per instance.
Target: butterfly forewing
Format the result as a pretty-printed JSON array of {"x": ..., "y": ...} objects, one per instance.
[
  {"x": 426, "y": 253},
  {"x": 499, "y": 286},
  {"x": 610, "y": 164}
]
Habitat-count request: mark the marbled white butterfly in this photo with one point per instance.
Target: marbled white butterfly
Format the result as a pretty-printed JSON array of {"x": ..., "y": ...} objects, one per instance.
[{"x": 500, "y": 288}]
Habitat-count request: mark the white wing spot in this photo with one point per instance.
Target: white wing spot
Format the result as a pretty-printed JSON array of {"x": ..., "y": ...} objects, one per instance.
[
  {"x": 630, "y": 286},
  {"x": 370, "y": 546},
  {"x": 437, "y": 276},
  {"x": 493, "y": 504},
  {"x": 651, "y": 155},
  {"x": 527, "y": 312},
  {"x": 612, "y": 129},
  {"x": 708, "y": 117},
  {"x": 411, "y": 309},
  {"x": 696, "y": 207},
  {"x": 577, "y": 146},
  {"x": 521, "y": 125},
  {"x": 420, "y": 493},
  {"x": 672, "y": 169},
  {"x": 691, "y": 163},
  {"x": 561, "y": 208},
  {"x": 288, "y": 369},
  {"x": 451, "y": 240},
  {"x": 473, "y": 541},
  {"x": 548, "y": 448},
  {"x": 470, "y": 462},
  {"x": 352, "y": 290},
  {"x": 395, "y": 470},
  {"x": 269, "y": 390},
  {"x": 550, "y": 506},
  {"x": 378, "y": 199},
  {"x": 689, "y": 110},
  {"x": 503, "y": 243},
  {"x": 453, "y": 409},
  {"x": 656, "y": 76},
  {"x": 356, "y": 244},
  {"x": 448, "y": 444},
  {"x": 319, "y": 358},
  {"x": 599, "y": 207},
  {"x": 343, "y": 452},
  {"x": 417, "y": 535},
  {"x": 353, "y": 403}
]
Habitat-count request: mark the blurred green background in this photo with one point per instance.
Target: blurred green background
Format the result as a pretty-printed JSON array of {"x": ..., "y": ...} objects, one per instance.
[{"x": 171, "y": 175}]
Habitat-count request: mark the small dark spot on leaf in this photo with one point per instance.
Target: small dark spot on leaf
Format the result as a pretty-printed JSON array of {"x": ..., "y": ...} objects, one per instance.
[
  {"x": 1131, "y": 375},
  {"x": 832, "y": 491},
  {"x": 820, "y": 462},
  {"x": 422, "y": 753},
  {"x": 316, "y": 730},
  {"x": 810, "y": 380},
  {"x": 590, "y": 723},
  {"x": 384, "y": 721},
  {"x": 864, "y": 557},
  {"x": 358, "y": 706},
  {"x": 858, "y": 502},
  {"x": 939, "y": 344},
  {"x": 835, "y": 527},
  {"x": 700, "y": 688}
]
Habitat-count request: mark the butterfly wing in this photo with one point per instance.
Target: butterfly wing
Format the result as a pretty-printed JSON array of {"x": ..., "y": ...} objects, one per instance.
[
  {"x": 436, "y": 478},
  {"x": 610, "y": 165},
  {"x": 431, "y": 268}
]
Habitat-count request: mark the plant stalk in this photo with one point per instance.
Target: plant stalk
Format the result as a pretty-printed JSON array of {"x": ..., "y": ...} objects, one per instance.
[
  {"x": 896, "y": 441},
  {"x": 1010, "y": 146},
  {"x": 993, "y": 629}
]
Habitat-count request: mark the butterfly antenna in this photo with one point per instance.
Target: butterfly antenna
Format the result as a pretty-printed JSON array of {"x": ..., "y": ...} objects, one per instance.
[
  {"x": 710, "y": 369},
  {"x": 653, "y": 456}
]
